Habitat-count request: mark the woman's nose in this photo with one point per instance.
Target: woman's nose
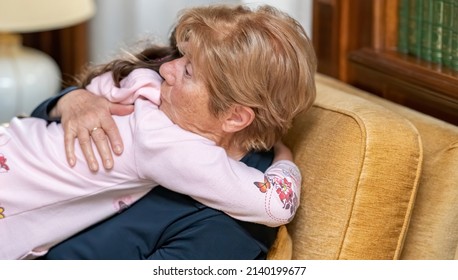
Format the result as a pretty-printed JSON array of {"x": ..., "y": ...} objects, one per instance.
[{"x": 167, "y": 72}]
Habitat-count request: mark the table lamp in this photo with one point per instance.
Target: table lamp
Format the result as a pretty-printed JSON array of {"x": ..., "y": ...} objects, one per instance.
[{"x": 29, "y": 76}]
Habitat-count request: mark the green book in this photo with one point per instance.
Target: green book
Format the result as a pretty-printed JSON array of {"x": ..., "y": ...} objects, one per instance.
[
  {"x": 436, "y": 38},
  {"x": 447, "y": 32},
  {"x": 403, "y": 26},
  {"x": 426, "y": 30},
  {"x": 455, "y": 36},
  {"x": 415, "y": 15}
]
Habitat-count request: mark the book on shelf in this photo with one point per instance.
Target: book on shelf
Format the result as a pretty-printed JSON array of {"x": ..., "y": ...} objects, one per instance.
[
  {"x": 426, "y": 30},
  {"x": 437, "y": 30},
  {"x": 415, "y": 18},
  {"x": 447, "y": 33},
  {"x": 454, "y": 55},
  {"x": 403, "y": 26}
]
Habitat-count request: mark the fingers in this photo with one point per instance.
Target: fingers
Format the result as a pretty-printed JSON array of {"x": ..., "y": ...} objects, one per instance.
[
  {"x": 84, "y": 139},
  {"x": 121, "y": 109},
  {"x": 81, "y": 112},
  {"x": 101, "y": 142},
  {"x": 107, "y": 137},
  {"x": 111, "y": 129},
  {"x": 69, "y": 139},
  {"x": 85, "y": 142}
]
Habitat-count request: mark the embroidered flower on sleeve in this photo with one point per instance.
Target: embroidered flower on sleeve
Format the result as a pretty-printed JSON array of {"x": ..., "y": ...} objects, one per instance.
[
  {"x": 285, "y": 193},
  {"x": 3, "y": 166},
  {"x": 283, "y": 187}
]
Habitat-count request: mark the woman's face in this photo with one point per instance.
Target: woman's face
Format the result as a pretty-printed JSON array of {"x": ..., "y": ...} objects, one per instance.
[{"x": 185, "y": 99}]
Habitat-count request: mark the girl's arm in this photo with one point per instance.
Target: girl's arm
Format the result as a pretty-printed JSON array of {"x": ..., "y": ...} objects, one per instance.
[
  {"x": 187, "y": 163},
  {"x": 282, "y": 152},
  {"x": 198, "y": 168},
  {"x": 142, "y": 82},
  {"x": 209, "y": 175}
]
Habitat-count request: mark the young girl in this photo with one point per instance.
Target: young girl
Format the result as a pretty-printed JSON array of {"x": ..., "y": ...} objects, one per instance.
[{"x": 43, "y": 201}]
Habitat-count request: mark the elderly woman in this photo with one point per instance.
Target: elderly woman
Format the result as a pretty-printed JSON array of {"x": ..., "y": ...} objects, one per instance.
[{"x": 243, "y": 77}]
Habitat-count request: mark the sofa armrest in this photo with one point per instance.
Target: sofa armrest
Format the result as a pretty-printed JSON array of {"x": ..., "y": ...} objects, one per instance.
[{"x": 360, "y": 165}]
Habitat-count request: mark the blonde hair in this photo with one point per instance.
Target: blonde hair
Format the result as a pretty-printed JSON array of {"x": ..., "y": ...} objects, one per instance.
[{"x": 259, "y": 58}]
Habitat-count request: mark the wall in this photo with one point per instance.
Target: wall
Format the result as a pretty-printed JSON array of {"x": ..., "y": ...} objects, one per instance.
[
  {"x": 120, "y": 23},
  {"x": 301, "y": 10}
]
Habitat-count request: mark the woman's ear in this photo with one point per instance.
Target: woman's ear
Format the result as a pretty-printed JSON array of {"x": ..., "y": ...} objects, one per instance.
[{"x": 238, "y": 118}]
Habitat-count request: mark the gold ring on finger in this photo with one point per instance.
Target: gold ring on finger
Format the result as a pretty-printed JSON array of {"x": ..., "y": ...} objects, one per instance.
[{"x": 94, "y": 129}]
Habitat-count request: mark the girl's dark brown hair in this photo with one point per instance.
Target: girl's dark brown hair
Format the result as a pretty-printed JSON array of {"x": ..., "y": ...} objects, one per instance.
[{"x": 152, "y": 58}]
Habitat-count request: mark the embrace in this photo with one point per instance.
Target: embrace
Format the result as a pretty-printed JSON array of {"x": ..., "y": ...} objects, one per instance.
[{"x": 190, "y": 114}]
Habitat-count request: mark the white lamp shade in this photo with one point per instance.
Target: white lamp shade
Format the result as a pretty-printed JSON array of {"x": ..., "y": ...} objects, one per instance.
[{"x": 19, "y": 16}]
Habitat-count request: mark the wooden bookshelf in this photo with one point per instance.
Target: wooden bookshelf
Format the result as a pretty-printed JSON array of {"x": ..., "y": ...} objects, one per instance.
[{"x": 356, "y": 42}]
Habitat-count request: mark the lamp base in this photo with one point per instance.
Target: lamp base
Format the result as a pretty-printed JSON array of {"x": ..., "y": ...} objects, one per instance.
[{"x": 27, "y": 77}]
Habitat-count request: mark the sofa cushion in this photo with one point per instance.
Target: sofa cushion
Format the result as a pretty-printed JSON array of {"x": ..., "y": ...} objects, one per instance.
[
  {"x": 433, "y": 231},
  {"x": 360, "y": 165}
]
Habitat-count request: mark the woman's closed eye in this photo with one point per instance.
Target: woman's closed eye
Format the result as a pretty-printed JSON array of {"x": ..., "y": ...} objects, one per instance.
[{"x": 188, "y": 70}]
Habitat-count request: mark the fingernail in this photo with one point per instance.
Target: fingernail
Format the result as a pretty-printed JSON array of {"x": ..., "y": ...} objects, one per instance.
[
  {"x": 72, "y": 161},
  {"x": 117, "y": 149},
  {"x": 94, "y": 166},
  {"x": 108, "y": 164}
]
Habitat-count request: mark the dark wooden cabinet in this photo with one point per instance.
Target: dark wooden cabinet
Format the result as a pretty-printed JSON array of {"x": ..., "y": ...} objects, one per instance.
[{"x": 356, "y": 42}]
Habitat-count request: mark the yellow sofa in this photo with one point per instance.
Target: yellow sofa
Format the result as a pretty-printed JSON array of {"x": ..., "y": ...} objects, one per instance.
[{"x": 380, "y": 181}]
